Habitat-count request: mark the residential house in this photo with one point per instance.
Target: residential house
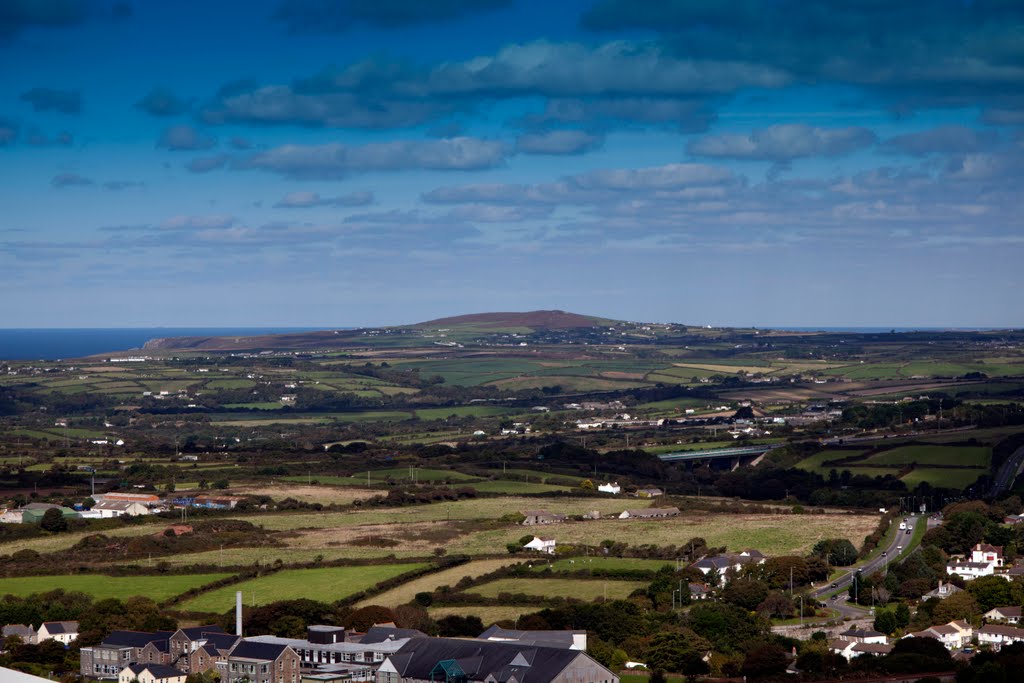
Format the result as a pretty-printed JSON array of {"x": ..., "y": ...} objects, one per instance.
[
  {"x": 570, "y": 640},
  {"x": 64, "y": 632},
  {"x": 612, "y": 488},
  {"x": 151, "y": 673},
  {"x": 1010, "y": 573},
  {"x": 699, "y": 591},
  {"x": 954, "y": 635},
  {"x": 969, "y": 571},
  {"x": 849, "y": 649},
  {"x": 863, "y": 636},
  {"x": 260, "y": 662},
  {"x": 649, "y": 492},
  {"x": 997, "y": 635},
  {"x": 541, "y": 545},
  {"x": 196, "y": 649},
  {"x": 729, "y": 563},
  {"x": 985, "y": 560},
  {"x": 1010, "y": 615},
  {"x": 120, "y": 508},
  {"x": 542, "y": 517},
  {"x": 427, "y": 660},
  {"x": 26, "y": 633},
  {"x": 649, "y": 513},
  {"x": 944, "y": 590}
]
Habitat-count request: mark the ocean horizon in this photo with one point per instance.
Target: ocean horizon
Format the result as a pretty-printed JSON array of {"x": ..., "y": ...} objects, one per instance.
[{"x": 55, "y": 343}]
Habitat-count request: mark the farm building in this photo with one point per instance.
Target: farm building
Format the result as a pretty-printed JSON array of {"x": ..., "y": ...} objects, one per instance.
[
  {"x": 649, "y": 513},
  {"x": 541, "y": 517}
]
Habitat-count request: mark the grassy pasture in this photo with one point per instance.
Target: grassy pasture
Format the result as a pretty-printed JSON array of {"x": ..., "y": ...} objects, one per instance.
[
  {"x": 489, "y": 614},
  {"x": 816, "y": 462},
  {"x": 581, "y": 589},
  {"x": 974, "y": 456},
  {"x": 580, "y": 563},
  {"x": 448, "y": 577},
  {"x": 462, "y": 411},
  {"x": 101, "y": 587},
  {"x": 515, "y": 487},
  {"x": 327, "y": 584},
  {"x": 945, "y": 478},
  {"x": 772, "y": 534}
]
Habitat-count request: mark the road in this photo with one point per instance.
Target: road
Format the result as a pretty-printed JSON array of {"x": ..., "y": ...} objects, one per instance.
[
  {"x": 1007, "y": 473},
  {"x": 900, "y": 539}
]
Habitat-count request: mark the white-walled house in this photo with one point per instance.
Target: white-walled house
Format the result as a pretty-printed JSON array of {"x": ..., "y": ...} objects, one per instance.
[
  {"x": 64, "y": 632},
  {"x": 997, "y": 635},
  {"x": 1010, "y": 615},
  {"x": 954, "y": 635},
  {"x": 542, "y": 545},
  {"x": 151, "y": 673},
  {"x": 985, "y": 559},
  {"x": 612, "y": 488}
]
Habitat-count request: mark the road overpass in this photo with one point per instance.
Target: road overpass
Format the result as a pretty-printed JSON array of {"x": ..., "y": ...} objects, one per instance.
[{"x": 737, "y": 454}]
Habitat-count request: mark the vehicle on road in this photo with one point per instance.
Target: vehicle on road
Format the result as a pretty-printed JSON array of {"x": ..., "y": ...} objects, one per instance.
[
  {"x": 885, "y": 554},
  {"x": 903, "y": 525}
]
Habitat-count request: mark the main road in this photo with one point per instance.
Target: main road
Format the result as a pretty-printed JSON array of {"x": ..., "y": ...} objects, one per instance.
[
  {"x": 1007, "y": 473},
  {"x": 897, "y": 545}
]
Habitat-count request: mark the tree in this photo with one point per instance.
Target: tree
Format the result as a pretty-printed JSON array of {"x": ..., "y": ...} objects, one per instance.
[
  {"x": 990, "y": 591},
  {"x": 885, "y": 622},
  {"x": 221, "y": 484},
  {"x": 957, "y": 606},
  {"x": 53, "y": 520},
  {"x": 745, "y": 593},
  {"x": 836, "y": 551},
  {"x": 777, "y": 604},
  {"x": 902, "y": 615},
  {"x": 454, "y": 626},
  {"x": 587, "y": 485},
  {"x": 764, "y": 660}
]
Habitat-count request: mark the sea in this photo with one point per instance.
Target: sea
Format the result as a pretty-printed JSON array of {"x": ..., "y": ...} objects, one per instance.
[{"x": 59, "y": 343}]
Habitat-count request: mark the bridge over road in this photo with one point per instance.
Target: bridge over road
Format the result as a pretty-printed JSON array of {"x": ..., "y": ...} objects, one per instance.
[{"x": 736, "y": 454}]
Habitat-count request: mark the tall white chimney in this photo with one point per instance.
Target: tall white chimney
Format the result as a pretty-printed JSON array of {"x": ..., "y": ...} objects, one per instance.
[{"x": 238, "y": 613}]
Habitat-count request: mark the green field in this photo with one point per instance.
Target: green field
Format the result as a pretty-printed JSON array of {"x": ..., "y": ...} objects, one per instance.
[
  {"x": 489, "y": 614},
  {"x": 816, "y": 462},
  {"x": 101, "y": 587},
  {"x": 514, "y": 487},
  {"x": 612, "y": 563},
  {"x": 580, "y": 589},
  {"x": 945, "y": 478},
  {"x": 326, "y": 584},
  {"x": 973, "y": 456}
]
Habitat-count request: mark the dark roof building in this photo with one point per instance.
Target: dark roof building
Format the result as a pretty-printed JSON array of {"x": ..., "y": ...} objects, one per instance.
[
  {"x": 569, "y": 640},
  {"x": 451, "y": 660}
]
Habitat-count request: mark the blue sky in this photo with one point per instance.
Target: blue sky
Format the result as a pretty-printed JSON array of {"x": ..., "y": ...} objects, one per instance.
[{"x": 364, "y": 162}]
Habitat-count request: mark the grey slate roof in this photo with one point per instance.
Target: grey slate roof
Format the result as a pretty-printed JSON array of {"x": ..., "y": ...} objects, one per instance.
[
  {"x": 380, "y": 634},
  {"x": 562, "y": 639},
  {"x": 480, "y": 659},
  {"x": 55, "y": 627},
  {"x": 158, "y": 670},
  {"x": 18, "y": 630},
  {"x": 251, "y": 649},
  {"x": 134, "y": 638}
]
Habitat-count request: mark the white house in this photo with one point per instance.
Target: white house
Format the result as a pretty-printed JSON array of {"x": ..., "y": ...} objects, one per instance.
[
  {"x": 997, "y": 636},
  {"x": 954, "y": 635},
  {"x": 849, "y": 649},
  {"x": 612, "y": 488},
  {"x": 542, "y": 545},
  {"x": 151, "y": 673},
  {"x": 64, "y": 632},
  {"x": 985, "y": 559},
  {"x": 1010, "y": 615},
  {"x": 944, "y": 590},
  {"x": 863, "y": 636}
]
